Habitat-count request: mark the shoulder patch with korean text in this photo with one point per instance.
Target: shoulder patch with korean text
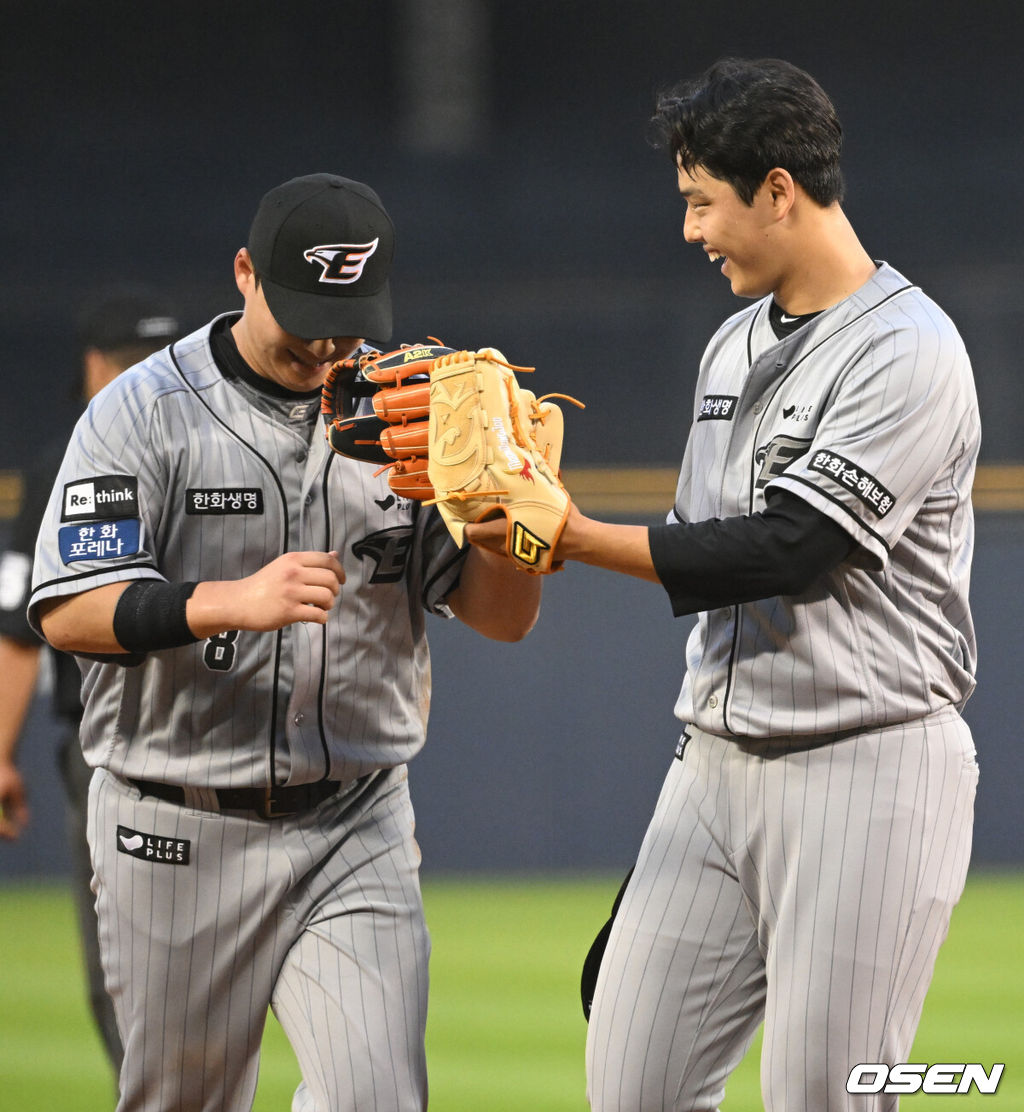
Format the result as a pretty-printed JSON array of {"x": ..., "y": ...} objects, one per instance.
[
  {"x": 101, "y": 540},
  {"x": 854, "y": 479}
]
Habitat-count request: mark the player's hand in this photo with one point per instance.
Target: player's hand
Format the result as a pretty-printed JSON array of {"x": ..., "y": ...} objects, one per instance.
[
  {"x": 13, "y": 807},
  {"x": 295, "y": 587}
]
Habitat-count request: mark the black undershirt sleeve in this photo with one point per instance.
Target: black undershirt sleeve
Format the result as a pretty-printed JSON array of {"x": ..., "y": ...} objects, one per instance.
[{"x": 724, "y": 561}]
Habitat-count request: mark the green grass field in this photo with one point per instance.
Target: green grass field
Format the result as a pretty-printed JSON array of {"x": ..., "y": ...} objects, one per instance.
[{"x": 506, "y": 1032}]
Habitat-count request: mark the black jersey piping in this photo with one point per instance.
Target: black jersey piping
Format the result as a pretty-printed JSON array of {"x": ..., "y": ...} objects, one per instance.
[
  {"x": 272, "y": 740},
  {"x": 733, "y": 649},
  {"x": 726, "y": 702},
  {"x": 87, "y": 575},
  {"x": 322, "y": 685}
]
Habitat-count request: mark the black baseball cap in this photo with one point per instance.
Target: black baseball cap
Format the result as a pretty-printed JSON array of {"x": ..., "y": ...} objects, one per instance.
[
  {"x": 322, "y": 247},
  {"x": 126, "y": 316}
]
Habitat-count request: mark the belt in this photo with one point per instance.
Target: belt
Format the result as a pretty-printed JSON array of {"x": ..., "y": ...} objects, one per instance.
[{"x": 267, "y": 803}]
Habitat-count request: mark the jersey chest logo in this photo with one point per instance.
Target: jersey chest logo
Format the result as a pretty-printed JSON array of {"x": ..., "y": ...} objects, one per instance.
[
  {"x": 775, "y": 456},
  {"x": 801, "y": 413},
  {"x": 223, "y": 500},
  {"x": 717, "y": 407},
  {"x": 389, "y": 550}
]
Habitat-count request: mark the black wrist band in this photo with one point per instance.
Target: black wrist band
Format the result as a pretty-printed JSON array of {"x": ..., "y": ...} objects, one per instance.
[{"x": 150, "y": 615}]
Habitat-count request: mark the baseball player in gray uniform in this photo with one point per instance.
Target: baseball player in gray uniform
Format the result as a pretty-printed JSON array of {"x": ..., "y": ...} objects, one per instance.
[
  {"x": 248, "y": 610},
  {"x": 813, "y": 832}
]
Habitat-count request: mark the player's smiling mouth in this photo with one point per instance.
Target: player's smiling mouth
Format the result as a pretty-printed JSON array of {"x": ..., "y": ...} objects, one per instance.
[{"x": 714, "y": 256}]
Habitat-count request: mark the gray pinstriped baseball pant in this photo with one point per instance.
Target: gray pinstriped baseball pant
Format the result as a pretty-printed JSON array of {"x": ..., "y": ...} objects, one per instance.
[
  {"x": 808, "y": 887},
  {"x": 319, "y": 915}
]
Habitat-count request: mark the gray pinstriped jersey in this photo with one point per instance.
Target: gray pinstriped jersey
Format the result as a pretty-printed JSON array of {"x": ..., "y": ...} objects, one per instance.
[
  {"x": 869, "y": 413},
  {"x": 171, "y": 474}
]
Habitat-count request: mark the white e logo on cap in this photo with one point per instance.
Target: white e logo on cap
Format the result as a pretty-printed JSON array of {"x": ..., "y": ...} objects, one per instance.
[{"x": 342, "y": 262}]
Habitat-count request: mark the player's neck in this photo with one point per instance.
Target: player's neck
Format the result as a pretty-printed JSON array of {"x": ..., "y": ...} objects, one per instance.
[{"x": 828, "y": 264}]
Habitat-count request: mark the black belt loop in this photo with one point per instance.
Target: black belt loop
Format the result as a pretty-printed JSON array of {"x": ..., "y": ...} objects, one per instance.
[{"x": 267, "y": 803}]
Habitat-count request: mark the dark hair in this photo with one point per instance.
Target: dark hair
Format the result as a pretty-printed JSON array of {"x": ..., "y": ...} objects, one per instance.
[{"x": 740, "y": 119}]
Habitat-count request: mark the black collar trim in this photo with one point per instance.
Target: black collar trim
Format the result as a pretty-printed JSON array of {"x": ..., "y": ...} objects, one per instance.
[{"x": 231, "y": 365}]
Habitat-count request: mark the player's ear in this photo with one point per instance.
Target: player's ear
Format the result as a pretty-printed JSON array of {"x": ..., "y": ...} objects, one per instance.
[
  {"x": 780, "y": 189},
  {"x": 245, "y": 272}
]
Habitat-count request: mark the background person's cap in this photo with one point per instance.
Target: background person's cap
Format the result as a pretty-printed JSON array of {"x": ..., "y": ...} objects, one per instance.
[
  {"x": 127, "y": 316},
  {"x": 322, "y": 247}
]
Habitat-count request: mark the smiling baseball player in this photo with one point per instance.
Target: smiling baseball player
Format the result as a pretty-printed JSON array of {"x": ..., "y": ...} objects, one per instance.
[
  {"x": 248, "y": 610},
  {"x": 813, "y": 833}
]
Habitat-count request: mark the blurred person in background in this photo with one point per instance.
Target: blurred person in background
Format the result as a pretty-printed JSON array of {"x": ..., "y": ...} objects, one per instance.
[{"x": 120, "y": 327}]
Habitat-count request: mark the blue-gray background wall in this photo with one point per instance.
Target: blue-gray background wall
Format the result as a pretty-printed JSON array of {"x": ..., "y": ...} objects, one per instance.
[{"x": 534, "y": 217}]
